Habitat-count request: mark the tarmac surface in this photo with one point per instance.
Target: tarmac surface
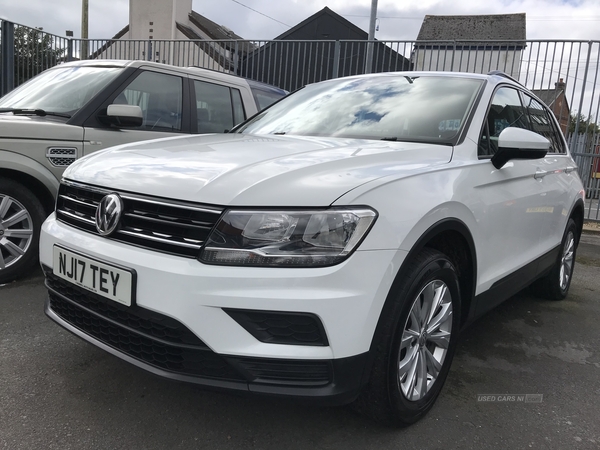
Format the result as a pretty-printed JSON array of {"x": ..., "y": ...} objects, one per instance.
[{"x": 526, "y": 375}]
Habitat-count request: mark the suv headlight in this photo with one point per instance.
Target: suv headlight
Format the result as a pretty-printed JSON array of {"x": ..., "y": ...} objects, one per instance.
[{"x": 302, "y": 238}]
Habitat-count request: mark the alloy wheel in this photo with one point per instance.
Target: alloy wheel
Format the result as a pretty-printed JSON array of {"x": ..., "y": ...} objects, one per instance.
[
  {"x": 566, "y": 264},
  {"x": 16, "y": 231},
  {"x": 425, "y": 340}
]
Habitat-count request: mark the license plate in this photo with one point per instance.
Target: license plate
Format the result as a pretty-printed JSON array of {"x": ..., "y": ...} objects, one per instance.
[{"x": 107, "y": 280}]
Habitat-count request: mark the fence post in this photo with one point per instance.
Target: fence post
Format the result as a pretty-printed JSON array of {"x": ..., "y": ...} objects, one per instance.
[
  {"x": 69, "y": 50},
  {"x": 235, "y": 59},
  {"x": 587, "y": 66},
  {"x": 336, "y": 58},
  {"x": 7, "y": 64}
]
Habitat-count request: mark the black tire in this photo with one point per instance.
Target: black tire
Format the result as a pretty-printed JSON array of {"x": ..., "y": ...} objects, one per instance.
[
  {"x": 384, "y": 398},
  {"x": 555, "y": 285},
  {"x": 19, "y": 237}
]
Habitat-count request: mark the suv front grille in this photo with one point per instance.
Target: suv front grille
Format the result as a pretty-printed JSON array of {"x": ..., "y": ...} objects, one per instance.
[{"x": 158, "y": 224}]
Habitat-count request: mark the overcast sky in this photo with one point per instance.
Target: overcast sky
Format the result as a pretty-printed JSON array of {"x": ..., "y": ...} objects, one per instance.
[{"x": 398, "y": 19}]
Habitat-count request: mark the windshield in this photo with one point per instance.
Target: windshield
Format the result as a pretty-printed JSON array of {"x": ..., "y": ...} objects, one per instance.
[
  {"x": 60, "y": 90},
  {"x": 389, "y": 107}
]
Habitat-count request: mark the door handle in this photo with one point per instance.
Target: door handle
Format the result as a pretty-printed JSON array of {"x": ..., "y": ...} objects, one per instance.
[
  {"x": 570, "y": 169},
  {"x": 539, "y": 173}
]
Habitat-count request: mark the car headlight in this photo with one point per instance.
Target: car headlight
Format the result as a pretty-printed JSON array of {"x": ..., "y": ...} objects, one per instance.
[{"x": 304, "y": 238}]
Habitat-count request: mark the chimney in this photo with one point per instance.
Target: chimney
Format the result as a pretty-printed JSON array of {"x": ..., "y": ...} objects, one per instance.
[{"x": 560, "y": 86}]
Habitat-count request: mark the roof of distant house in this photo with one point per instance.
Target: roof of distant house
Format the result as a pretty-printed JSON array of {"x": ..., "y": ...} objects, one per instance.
[
  {"x": 306, "y": 29},
  {"x": 496, "y": 27},
  {"x": 214, "y": 30},
  {"x": 207, "y": 26},
  {"x": 549, "y": 96}
]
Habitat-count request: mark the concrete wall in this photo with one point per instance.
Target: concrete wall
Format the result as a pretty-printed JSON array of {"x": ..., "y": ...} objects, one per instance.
[{"x": 156, "y": 19}]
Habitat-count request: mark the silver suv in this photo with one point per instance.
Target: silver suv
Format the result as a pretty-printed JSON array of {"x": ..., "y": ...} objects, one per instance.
[{"x": 77, "y": 108}]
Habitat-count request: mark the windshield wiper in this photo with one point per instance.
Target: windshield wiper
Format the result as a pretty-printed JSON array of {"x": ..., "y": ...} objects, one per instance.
[
  {"x": 34, "y": 112},
  {"x": 279, "y": 133},
  {"x": 389, "y": 138}
]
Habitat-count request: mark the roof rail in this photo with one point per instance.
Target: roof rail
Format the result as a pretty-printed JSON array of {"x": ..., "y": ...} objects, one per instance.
[{"x": 499, "y": 73}]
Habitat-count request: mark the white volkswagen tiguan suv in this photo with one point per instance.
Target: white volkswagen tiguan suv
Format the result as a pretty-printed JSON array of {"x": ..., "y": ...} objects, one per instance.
[{"x": 331, "y": 248}]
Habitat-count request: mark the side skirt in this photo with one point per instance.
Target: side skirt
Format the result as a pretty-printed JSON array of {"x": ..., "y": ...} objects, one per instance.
[{"x": 510, "y": 285}]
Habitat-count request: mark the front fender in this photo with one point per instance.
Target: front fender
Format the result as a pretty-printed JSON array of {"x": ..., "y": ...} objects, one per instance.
[{"x": 16, "y": 162}]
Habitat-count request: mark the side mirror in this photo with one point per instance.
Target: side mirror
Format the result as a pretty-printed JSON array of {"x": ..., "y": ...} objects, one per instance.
[
  {"x": 517, "y": 143},
  {"x": 125, "y": 115}
]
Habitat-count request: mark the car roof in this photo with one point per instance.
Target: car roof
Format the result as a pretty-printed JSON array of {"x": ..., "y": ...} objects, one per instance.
[{"x": 214, "y": 74}]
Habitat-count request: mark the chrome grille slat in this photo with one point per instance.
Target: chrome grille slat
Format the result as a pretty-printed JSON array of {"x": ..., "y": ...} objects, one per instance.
[
  {"x": 80, "y": 202},
  {"x": 77, "y": 217},
  {"x": 157, "y": 224},
  {"x": 193, "y": 225},
  {"x": 158, "y": 239}
]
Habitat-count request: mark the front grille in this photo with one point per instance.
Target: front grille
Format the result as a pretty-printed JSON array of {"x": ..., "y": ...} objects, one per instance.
[
  {"x": 136, "y": 333},
  {"x": 158, "y": 224}
]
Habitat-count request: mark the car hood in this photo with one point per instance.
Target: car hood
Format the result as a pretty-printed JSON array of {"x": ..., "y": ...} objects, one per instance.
[
  {"x": 36, "y": 127},
  {"x": 238, "y": 169}
]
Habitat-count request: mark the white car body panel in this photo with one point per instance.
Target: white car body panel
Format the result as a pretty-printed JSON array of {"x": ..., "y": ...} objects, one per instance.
[
  {"x": 252, "y": 170},
  {"x": 342, "y": 303}
]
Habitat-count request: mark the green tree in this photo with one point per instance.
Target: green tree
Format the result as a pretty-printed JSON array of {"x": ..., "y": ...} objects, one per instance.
[
  {"x": 586, "y": 126},
  {"x": 35, "y": 51}
]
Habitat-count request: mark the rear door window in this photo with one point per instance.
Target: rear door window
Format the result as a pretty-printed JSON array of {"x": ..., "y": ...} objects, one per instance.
[
  {"x": 218, "y": 108},
  {"x": 543, "y": 123}
]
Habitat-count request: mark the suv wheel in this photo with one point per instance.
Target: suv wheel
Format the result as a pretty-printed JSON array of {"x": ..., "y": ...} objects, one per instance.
[
  {"x": 416, "y": 343},
  {"x": 21, "y": 217},
  {"x": 555, "y": 285}
]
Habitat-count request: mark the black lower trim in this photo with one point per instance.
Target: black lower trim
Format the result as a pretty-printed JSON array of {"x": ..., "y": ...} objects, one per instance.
[
  {"x": 164, "y": 347},
  {"x": 344, "y": 386},
  {"x": 510, "y": 285}
]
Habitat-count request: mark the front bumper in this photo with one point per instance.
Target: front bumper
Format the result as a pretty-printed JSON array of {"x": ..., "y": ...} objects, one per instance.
[{"x": 179, "y": 327}]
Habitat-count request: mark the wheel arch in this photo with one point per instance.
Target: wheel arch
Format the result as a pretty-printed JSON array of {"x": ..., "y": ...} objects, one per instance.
[
  {"x": 32, "y": 175},
  {"x": 452, "y": 237},
  {"x": 461, "y": 252},
  {"x": 578, "y": 215}
]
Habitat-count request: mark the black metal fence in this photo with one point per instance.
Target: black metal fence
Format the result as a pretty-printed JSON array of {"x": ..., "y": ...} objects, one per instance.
[{"x": 563, "y": 73}]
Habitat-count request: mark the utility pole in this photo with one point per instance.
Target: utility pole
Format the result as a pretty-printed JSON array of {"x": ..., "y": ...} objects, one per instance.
[
  {"x": 84, "y": 29},
  {"x": 372, "y": 21}
]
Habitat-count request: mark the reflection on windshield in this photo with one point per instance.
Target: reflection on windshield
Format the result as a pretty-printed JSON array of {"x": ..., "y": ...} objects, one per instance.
[
  {"x": 60, "y": 90},
  {"x": 390, "y": 107}
]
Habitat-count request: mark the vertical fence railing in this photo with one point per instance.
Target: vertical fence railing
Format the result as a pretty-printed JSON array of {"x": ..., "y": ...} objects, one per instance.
[
  {"x": 27, "y": 51},
  {"x": 564, "y": 74}
]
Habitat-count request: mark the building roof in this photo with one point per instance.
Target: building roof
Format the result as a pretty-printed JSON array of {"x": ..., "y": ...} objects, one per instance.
[
  {"x": 212, "y": 29},
  {"x": 550, "y": 96},
  {"x": 305, "y": 28},
  {"x": 496, "y": 27}
]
